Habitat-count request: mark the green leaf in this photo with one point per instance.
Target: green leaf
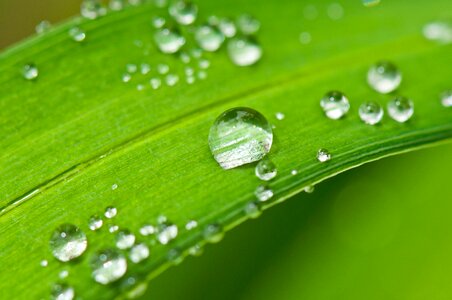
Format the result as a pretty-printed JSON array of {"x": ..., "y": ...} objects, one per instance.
[{"x": 77, "y": 130}]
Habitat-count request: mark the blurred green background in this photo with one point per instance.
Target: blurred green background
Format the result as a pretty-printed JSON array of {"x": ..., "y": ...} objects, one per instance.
[{"x": 381, "y": 231}]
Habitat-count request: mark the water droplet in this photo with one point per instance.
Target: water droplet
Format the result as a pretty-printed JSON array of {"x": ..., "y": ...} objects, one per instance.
[
  {"x": 266, "y": 170},
  {"x": 117, "y": 5},
  {"x": 371, "y": 113},
  {"x": 139, "y": 253},
  {"x": 68, "y": 242},
  {"x": 263, "y": 193},
  {"x": 92, "y": 9},
  {"x": 111, "y": 212},
  {"x": 155, "y": 83},
  {"x": 77, "y": 34},
  {"x": 446, "y": 98},
  {"x": 114, "y": 186},
  {"x": 190, "y": 79},
  {"x": 400, "y": 109},
  {"x": 209, "y": 38},
  {"x": 384, "y": 77},
  {"x": 140, "y": 87},
  {"x": 158, "y": 22},
  {"x": 175, "y": 256},
  {"x": 43, "y": 26},
  {"x": 125, "y": 239},
  {"x": 191, "y": 225},
  {"x": 145, "y": 68},
  {"x": 131, "y": 68},
  {"x": 202, "y": 75},
  {"x": 240, "y": 136},
  {"x": 166, "y": 232},
  {"x": 323, "y": 155},
  {"x": 95, "y": 223},
  {"x": 168, "y": 41},
  {"x": 253, "y": 209},
  {"x": 213, "y": 233},
  {"x": 294, "y": 172},
  {"x": 135, "y": 290},
  {"x": 113, "y": 228},
  {"x": 196, "y": 250},
  {"x": 44, "y": 263},
  {"x": 126, "y": 77},
  {"x": 63, "y": 274},
  {"x": 30, "y": 72},
  {"x": 335, "y": 105},
  {"x": 171, "y": 79},
  {"x": 370, "y": 3},
  {"x": 163, "y": 69},
  {"x": 248, "y": 25},
  {"x": 108, "y": 266},
  {"x": 438, "y": 31},
  {"x": 280, "y": 116},
  {"x": 309, "y": 189},
  {"x": 184, "y": 12},
  {"x": 227, "y": 27},
  {"x": 62, "y": 292},
  {"x": 196, "y": 52},
  {"x": 310, "y": 12},
  {"x": 147, "y": 229},
  {"x": 244, "y": 51},
  {"x": 335, "y": 11},
  {"x": 204, "y": 64},
  {"x": 305, "y": 38}
]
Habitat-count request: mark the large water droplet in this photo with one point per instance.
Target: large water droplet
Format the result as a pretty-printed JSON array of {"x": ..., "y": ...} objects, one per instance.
[
  {"x": 446, "y": 98},
  {"x": 77, "y": 34},
  {"x": 62, "y": 292},
  {"x": 184, "y": 12},
  {"x": 110, "y": 212},
  {"x": 168, "y": 41},
  {"x": 166, "y": 232},
  {"x": 125, "y": 239},
  {"x": 244, "y": 51},
  {"x": 323, "y": 155},
  {"x": 370, "y": 3},
  {"x": 266, "y": 170},
  {"x": 263, "y": 193},
  {"x": 384, "y": 77},
  {"x": 95, "y": 223},
  {"x": 108, "y": 266},
  {"x": 371, "y": 112},
  {"x": 68, "y": 242},
  {"x": 248, "y": 25},
  {"x": 213, "y": 233},
  {"x": 209, "y": 38},
  {"x": 240, "y": 136},
  {"x": 401, "y": 109},
  {"x": 335, "y": 105},
  {"x": 139, "y": 253},
  {"x": 30, "y": 72}
]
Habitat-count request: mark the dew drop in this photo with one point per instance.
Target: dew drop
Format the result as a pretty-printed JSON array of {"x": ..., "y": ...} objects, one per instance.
[
  {"x": 147, "y": 229},
  {"x": 202, "y": 75},
  {"x": 163, "y": 69},
  {"x": 371, "y": 113},
  {"x": 438, "y": 31},
  {"x": 309, "y": 189},
  {"x": 204, "y": 64},
  {"x": 384, "y": 77},
  {"x": 42, "y": 27},
  {"x": 196, "y": 52},
  {"x": 166, "y": 232},
  {"x": 63, "y": 274},
  {"x": 294, "y": 172},
  {"x": 44, "y": 263},
  {"x": 335, "y": 11},
  {"x": 209, "y": 38},
  {"x": 138, "y": 253},
  {"x": 68, "y": 242},
  {"x": 280, "y": 116},
  {"x": 111, "y": 212},
  {"x": 213, "y": 233},
  {"x": 244, "y": 51},
  {"x": 95, "y": 223},
  {"x": 171, "y": 79},
  {"x": 131, "y": 68},
  {"x": 310, "y": 12},
  {"x": 196, "y": 250},
  {"x": 108, "y": 266},
  {"x": 114, "y": 186},
  {"x": 168, "y": 41},
  {"x": 253, "y": 210},
  {"x": 113, "y": 228},
  {"x": 370, "y": 3},
  {"x": 125, "y": 239},
  {"x": 446, "y": 98},
  {"x": 248, "y": 25},
  {"x": 140, "y": 87},
  {"x": 30, "y": 72},
  {"x": 158, "y": 22},
  {"x": 77, "y": 34},
  {"x": 184, "y": 12},
  {"x": 92, "y": 9},
  {"x": 401, "y": 109},
  {"x": 117, "y": 5},
  {"x": 266, "y": 170},
  {"x": 335, "y": 105},
  {"x": 191, "y": 225},
  {"x": 185, "y": 58},
  {"x": 62, "y": 292},
  {"x": 240, "y": 136},
  {"x": 227, "y": 27},
  {"x": 190, "y": 79},
  {"x": 175, "y": 256},
  {"x": 145, "y": 68},
  {"x": 263, "y": 193},
  {"x": 126, "y": 77},
  {"x": 155, "y": 83},
  {"x": 323, "y": 155}
]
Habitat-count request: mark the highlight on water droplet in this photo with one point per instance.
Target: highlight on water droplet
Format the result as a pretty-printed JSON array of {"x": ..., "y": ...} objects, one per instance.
[
  {"x": 213, "y": 233},
  {"x": 138, "y": 253},
  {"x": 384, "y": 77},
  {"x": 335, "y": 105},
  {"x": 240, "y": 136},
  {"x": 263, "y": 193},
  {"x": 61, "y": 291},
  {"x": 370, "y": 3},
  {"x": 108, "y": 266},
  {"x": 184, "y": 12},
  {"x": 125, "y": 239},
  {"x": 323, "y": 155},
  {"x": 244, "y": 51},
  {"x": 371, "y": 112},
  {"x": 209, "y": 38},
  {"x": 77, "y": 34},
  {"x": 266, "y": 170},
  {"x": 111, "y": 212},
  {"x": 95, "y": 223},
  {"x": 169, "y": 40},
  {"x": 68, "y": 242},
  {"x": 30, "y": 71},
  {"x": 400, "y": 109},
  {"x": 446, "y": 98},
  {"x": 248, "y": 25}
]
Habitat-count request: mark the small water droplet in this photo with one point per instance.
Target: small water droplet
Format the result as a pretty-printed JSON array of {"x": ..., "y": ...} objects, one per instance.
[
  {"x": 92, "y": 9},
  {"x": 196, "y": 250},
  {"x": 196, "y": 52},
  {"x": 95, "y": 223},
  {"x": 323, "y": 155},
  {"x": 280, "y": 116},
  {"x": 227, "y": 27},
  {"x": 114, "y": 186},
  {"x": 169, "y": 41},
  {"x": 117, "y": 5},
  {"x": 248, "y": 25},
  {"x": 240, "y": 136},
  {"x": 266, "y": 170},
  {"x": 202, "y": 75},
  {"x": 166, "y": 232},
  {"x": 190, "y": 79},
  {"x": 335, "y": 11},
  {"x": 108, "y": 266},
  {"x": 209, "y": 38},
  {"x": 163, "y": 69},
  {"x": 77, "y": 34},
  {"x": 140, "y": 87},
  {"x": 253, "y": 209},
  {"x": 126, "y": 77},
  {"x": 310, "y": 12},
  {"x": 184, "y": 12},
  {"x": 401, "y": 109},
  {"x": 244, "y": 51},
  {"x": 371, "y": 113},
  {"x": 294, "y": 172},
  {"x": 43, "y": 26},
  {"x": 263, "y": 193},
  {"x": 113, "y": 228},
  {"x": 68, "y": 242},
  {"x": 204, "y": 64},
  {"x": 446, "y": 98},
  {"x": 111, "y": 212},
  {"x": 191, "y": 225},
  {"x": 175, "y": 256},
  {"x": 171, "y": 79},
  {"x": 213, "y": 233},
  {"x": 145, "y": 68},
  {"x": 147, "y": 229},
  {"x": 439, "y": 31},
  {"x": 63, "y": 274},
  {"x": 44, "y": 263},
  {"x": 370, "y": 3},
  {"x": 125, "y": 239},
  {"x": 305, "y": 38},
  {"x": 155, "y": 83},
  {"x": 335, "y": 105},
  {"x": 158, "y": 22},
  {"x": 309, "y": 189},
  {"x": 30, "y": 71},
  {"x": 138, "y": 253},
  {"x": 62, "y": 292},
  {"x": 384, "y": 77},
  {"x": 185, "y": 57},
  {"x": 131, "y": 68}
]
